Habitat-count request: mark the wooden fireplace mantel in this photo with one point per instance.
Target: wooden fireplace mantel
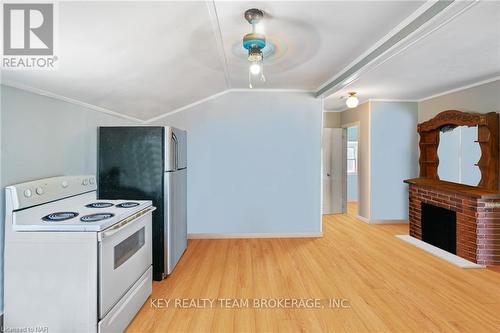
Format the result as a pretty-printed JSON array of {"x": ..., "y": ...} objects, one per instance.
[
  {"x": 454, "y": 188},
  {"x": 487, "y": 138}
]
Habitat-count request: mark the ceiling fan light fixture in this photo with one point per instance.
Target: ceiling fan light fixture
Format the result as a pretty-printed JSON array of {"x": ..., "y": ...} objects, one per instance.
[
  {"x": 352, "y": 101},
  {"x": 253, "y": 15},
  {"x": 254, "y": 42},
  {"x": 259, "y": 28},
  {"x": 255, "y": 54},
  {"x": 255, "y": 68}
]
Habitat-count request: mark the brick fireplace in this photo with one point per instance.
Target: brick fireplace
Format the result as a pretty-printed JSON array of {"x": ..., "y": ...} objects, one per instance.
[{"x": 474, "y": 213}]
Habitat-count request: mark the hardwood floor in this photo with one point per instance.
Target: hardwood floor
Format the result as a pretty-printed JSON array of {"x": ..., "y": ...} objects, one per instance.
[{"x": 390, "y": 285}]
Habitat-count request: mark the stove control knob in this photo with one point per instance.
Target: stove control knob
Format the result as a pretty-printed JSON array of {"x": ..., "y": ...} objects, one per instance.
[
  {"x": 85, "y": 182},
  {"x": 39, "y": 190},
  {"x": 64, "y": 184},
  {"x": 27, "y": 193},
  {"x": 91, "y": 180}
]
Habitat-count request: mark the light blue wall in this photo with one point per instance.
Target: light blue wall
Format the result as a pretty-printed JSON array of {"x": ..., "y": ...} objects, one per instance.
[
  {"x": 352, "y": 180},
  {"x": 352, "y": 133},
  {"x": 253, "y": 163},
  {"x": 43, "y": 137},
  {"x": 448, "y": 152},
  {"x": 393, "y": 158},
  {"x": 352, "y": 188}
]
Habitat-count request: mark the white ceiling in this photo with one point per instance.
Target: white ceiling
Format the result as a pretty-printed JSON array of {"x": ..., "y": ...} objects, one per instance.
[
  {"x": 139, "y": 59},
  {"x": 462, "y": 52},
  {"x": 145, "y": 59},
  {"x": 317, "y": 38}
]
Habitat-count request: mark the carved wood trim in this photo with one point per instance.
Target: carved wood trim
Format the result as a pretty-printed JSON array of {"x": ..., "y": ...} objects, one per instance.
[
  {"x": 454, "y": 118},
  {"x": 487, "y": 138}
]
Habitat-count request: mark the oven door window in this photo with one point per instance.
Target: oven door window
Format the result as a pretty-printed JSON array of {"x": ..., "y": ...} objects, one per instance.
[{"x": 128, "y": 247}]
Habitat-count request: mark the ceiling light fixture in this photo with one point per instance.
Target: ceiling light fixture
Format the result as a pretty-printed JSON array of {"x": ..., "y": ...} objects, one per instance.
[
  {"x": 255, "y": 68},
  {"x": 352, "y": 101},
  {"x": 254, "y": 42}
]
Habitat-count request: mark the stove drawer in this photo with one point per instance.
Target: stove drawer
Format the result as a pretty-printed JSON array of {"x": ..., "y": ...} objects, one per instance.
[
  {"x": 125, "y": 310},
  {"x": 124, "y": 255}
]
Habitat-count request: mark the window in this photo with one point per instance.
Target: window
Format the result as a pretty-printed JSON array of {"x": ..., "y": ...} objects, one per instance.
[
  {"x": 128, "y": 247},
  {"x": 352, "y": 157}
]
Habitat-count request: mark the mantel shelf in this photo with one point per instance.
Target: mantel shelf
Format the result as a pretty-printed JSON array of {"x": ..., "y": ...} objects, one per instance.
[{"x": 441, "y": 185}]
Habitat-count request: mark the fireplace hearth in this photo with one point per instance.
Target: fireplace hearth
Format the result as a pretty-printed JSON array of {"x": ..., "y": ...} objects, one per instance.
[{"x": 439, "y": 227}]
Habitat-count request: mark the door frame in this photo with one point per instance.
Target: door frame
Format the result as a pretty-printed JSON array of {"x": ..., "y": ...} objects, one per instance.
[{"x": 345, "y": 127}]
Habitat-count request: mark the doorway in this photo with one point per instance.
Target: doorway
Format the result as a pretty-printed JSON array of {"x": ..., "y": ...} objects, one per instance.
[{"x": 352, "y": 144}]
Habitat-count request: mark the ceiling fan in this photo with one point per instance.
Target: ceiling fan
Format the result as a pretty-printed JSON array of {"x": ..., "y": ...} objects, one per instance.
[{"x": 254, "y": 42}]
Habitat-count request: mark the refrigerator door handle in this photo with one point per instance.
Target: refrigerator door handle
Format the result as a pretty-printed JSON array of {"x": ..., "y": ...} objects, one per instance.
[{"x": 176, "y": 151}]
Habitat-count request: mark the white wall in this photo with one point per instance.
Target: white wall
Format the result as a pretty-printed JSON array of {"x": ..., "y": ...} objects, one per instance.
[
  {"x": 394, "y": 158},
  {"x": 352, "y": 179},
  {"x": 483, "y": 98},
  {"x": 43, "y": 137},
  {"x": 361, "y": 116},
  {"x": 253, "y": 163}
]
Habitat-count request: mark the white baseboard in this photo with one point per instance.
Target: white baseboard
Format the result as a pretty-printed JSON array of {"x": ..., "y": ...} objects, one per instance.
[
  {"x": 364, "y": 219},
  {"x": 256, "y": 235},
  {"x": 388, "y": 222}
]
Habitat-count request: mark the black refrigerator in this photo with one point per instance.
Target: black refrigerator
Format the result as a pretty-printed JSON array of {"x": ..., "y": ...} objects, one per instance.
[{"x": 149, "y": 163}]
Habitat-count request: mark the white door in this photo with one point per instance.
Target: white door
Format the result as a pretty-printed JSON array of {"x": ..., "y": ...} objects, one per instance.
[{"x": 334, "y": 170}]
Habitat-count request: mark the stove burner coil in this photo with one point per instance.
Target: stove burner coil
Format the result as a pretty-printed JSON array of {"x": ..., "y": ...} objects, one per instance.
[
  {"x": 129, "y": 204},
  {"x": 96, "y": 217},
  {"x": 59, "y": 216},
  {"x": 99, "y": 205}
]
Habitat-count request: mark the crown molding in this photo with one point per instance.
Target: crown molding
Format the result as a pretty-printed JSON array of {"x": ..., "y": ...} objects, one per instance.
[
  {"x": 451, "y": 91},
  {"x": 392, "y": 100},
  {"x": 247, "y": 90},
  {"x": 188, "y": 106},
  {"x": 77, "y": 102},
  {"x": 305, "y": 91},
  {"x": 92, "y": 107}
]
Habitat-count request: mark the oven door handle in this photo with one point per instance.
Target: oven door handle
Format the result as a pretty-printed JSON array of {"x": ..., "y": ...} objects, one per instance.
[{"x": 123, "y": 223}]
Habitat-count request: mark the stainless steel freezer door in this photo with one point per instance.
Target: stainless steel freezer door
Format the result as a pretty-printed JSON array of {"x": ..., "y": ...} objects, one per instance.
[
  {"x": 175, "y": 217},
  {"x": 175, "y": 149}
]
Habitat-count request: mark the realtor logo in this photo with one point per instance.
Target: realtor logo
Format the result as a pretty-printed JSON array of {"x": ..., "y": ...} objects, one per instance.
[
  {"x": 28, "y": 29},
  {"x": 28, "y": 36}
]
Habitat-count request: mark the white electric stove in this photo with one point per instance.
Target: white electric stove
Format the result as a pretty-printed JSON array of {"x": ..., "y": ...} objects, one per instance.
[{"x": 72, "y": 262}]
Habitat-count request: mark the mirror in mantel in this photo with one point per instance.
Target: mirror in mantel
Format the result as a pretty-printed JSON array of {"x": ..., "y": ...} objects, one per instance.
[{"x": 458, "y": 153}]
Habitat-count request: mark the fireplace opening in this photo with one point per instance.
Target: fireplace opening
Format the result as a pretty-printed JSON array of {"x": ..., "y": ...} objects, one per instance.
[{"x": 439, "y": 227}]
